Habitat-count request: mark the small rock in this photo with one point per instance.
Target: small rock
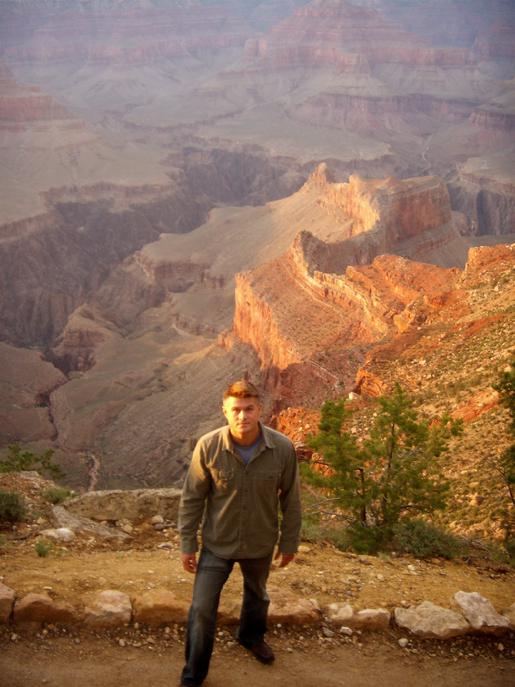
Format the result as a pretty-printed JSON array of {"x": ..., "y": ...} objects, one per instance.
[
  {"x": 304, "y": 549},
  {"x": 157, "y": 519},
  {"x": 346, "y": 631},
  {"x": 327, "y": 632},
  {"x": 403, "y": 642}
]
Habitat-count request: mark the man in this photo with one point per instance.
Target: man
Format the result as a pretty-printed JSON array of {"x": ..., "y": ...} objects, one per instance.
[{"x": 240, "y": 476}]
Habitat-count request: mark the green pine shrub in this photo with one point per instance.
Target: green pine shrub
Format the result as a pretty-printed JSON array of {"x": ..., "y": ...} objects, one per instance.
[
  {"x": 424, "y": 540},
  {"x": 12, "y": 507}
]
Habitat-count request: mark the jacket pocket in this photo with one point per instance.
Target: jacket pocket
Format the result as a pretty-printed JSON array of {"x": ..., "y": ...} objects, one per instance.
[{"x": 222, "y": 479}]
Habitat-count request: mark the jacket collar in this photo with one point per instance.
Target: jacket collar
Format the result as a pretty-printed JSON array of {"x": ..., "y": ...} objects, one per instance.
[{"x": 266, "y": 434}]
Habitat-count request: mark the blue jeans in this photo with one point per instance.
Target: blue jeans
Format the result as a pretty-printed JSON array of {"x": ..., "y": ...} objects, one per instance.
[{"x": 212, "y": 574}]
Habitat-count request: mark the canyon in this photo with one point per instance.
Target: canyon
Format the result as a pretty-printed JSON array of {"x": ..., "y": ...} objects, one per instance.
[{"x": 291, "y": 191}]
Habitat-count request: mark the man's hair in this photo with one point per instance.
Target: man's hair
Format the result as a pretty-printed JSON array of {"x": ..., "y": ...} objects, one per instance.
[{"x": 242, "y": 389}]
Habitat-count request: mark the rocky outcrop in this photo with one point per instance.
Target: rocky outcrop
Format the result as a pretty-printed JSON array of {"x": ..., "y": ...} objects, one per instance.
[
  {"x": 398, "y": 209},
  {"x": 325, "y": 293},
  {"x": 484, "y": 190},
  {"x": 347, "y": 37},
  {"x": 24, "y": 105},
  {"x": 134, "y": 505}
]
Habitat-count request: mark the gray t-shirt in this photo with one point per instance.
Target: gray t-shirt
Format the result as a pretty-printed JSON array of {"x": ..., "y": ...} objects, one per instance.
[{"x": 246, "y": 452}]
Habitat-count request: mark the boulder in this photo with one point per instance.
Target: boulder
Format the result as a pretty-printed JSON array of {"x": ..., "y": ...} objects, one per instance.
[
  {"x": 339, "y": 613},
  {"x": 159, "y": 607},
  {"x": 109, "y": 608},
  {"x": 292, "y": 610},
  {"x": 429, "y": 620},
  {"x": 481, "y": 614},
  {"x": 7, "y": 596},
  {"x": 61, "y": 534},
  {"x": 41, "y": 608}
]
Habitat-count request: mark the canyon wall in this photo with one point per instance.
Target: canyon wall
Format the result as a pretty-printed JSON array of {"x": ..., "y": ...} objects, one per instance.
[
  {"x": 134, "y": 33},
  {"x": 325, "y": 300},
  {"x": 51, "y": 263},
  {"x": 348, "y": 37}
]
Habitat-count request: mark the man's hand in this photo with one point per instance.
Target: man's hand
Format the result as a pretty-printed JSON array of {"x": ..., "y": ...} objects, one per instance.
[
  {"x": 285, "y": 558},
  {"x": 189, "y": 562}
]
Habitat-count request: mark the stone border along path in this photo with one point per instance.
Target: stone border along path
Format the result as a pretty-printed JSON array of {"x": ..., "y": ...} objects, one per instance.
[{"x": 111, "y": 609}]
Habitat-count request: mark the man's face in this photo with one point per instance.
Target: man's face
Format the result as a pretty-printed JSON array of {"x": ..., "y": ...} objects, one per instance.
[{"x": 243, "y": 416}]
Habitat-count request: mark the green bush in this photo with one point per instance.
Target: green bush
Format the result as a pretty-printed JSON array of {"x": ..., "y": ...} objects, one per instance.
[
  {"x": 57, "y": 494},
  {"x": 363, "y": 539},
  {"x": 43, "y": 547},
  {"x": 424, "y": 540},
  {"x": 17, "y": 460},
  {"x": 12, "y": 507}
]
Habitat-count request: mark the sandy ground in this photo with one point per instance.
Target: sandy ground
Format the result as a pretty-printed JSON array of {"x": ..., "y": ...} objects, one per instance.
[{"x": 88, "y": 660}]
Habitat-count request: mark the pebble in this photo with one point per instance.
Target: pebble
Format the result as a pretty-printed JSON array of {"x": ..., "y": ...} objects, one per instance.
[
  {"x": 122, "y": 642},
  {"x": 403, "y": 642}
]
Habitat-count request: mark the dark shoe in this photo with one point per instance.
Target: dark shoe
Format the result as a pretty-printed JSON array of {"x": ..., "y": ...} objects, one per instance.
[{"x": 261, "y": 650}]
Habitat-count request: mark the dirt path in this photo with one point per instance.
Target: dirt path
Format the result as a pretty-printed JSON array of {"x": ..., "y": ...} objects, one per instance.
[{"x": 61, "y": 662}]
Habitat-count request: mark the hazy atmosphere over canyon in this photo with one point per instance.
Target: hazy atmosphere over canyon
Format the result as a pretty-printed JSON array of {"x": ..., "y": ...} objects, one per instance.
[{"x": 194, "y": 191}]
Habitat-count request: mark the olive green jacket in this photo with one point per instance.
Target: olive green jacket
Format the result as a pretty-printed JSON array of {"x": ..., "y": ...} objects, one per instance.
[{"x": 239, "y": 504}]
